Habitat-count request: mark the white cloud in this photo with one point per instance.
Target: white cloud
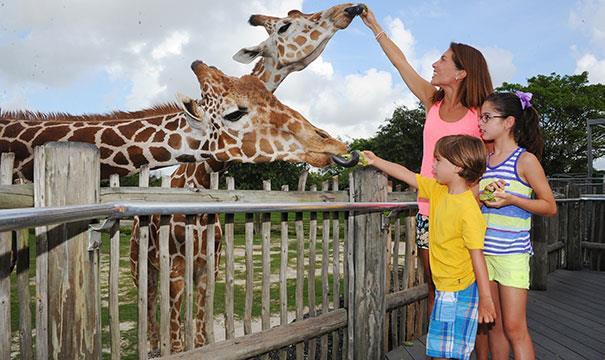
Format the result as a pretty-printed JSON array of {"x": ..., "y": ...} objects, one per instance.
[
  {"x": 351, "y": 106},
  {"x": 401, "y": 36},
  {"x": 500, "y": 64},
  {"x": 594, "y": 66},
  {"x": 151, "y": 46},
  {"x": 587, "y": 17}
]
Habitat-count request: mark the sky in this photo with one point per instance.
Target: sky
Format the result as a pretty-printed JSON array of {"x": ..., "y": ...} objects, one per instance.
[{"x": 80, "y": 56}]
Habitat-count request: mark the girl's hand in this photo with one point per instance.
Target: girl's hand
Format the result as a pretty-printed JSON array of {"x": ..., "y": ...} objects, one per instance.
[
  {"x": 496, "y": 185},
  {"x": 369, "y": 156},
  {"x": 487, "y": 310},
  {"x": 501, "y": 198}
]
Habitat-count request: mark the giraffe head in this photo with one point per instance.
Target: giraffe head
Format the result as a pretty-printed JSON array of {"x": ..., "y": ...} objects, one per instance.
[
  {"x": 245, "y": 122},
  {"x": 294, "y": 41}
]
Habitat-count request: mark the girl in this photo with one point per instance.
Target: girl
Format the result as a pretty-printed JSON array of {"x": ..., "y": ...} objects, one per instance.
[
  {"x": 459, "y": 85},
  {"x": 513, "y": 174}
]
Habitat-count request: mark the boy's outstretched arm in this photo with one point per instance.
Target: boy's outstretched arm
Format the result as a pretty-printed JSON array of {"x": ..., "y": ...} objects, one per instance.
[
  {"x": 487, "y": 309},
  {"x": 395, "y": 170}
]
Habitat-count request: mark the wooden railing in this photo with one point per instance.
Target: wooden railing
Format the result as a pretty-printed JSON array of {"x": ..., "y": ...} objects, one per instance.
[{"x": 368, "y": 294}]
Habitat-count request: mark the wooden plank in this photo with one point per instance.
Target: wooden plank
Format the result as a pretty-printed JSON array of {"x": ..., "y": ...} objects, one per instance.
[
  {"x": 142, "y": 283},
  {"x": 209, "y": 195},
  {"x": 574, "y": 244},
  {"x": 300, "y": 263},
  {"x": 143, "y": 267},
  {"x": 266, "y": 259},
  {"x": 6, "y": 238},
  {"x": 311, "y": 271},
  {"x": 164, "y": 286},
  {"x": 258, "y": 343},
  {"x": 210, "y": 267},
  {"x": 409, "y": 273},
  {"x": 370, "y": 267},
  {"x": 350, "y": 274},
  {"x": 283, "y": 278},
  {"x": 41, "y": 266},
  {"x": 300, "y": 268},
  {"x": 16, "y": 196},
  {"x": 325, "y": 264},
  {"x": 229, "y": 270},
  {"x": 559, "y": 330},
  {"x": 73, "y": 301},
  {"x": 539, "y": 262},
  {"x": 249, "y": 235},
  {"x": 395, "y": 339},
  {"x": 190, "y": 224},
  {"x": 23, "y": 295},
  {"x": 114, "y": 272},
  {"x": 406, "y": 297},
  {"x": 336, "y": 354}
]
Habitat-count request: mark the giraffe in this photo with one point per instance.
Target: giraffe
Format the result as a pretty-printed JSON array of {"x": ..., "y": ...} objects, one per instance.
[
  {"x": 294, "y": 42},
  {"x": 236, "y": 119}
]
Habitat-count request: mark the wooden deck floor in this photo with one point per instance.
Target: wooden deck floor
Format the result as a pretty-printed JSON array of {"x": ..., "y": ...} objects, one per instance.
[{"x": 567, "y": 321}]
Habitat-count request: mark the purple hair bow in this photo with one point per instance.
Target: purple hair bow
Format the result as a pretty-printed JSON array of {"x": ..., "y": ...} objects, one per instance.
[{"x": 525, "y": 98}]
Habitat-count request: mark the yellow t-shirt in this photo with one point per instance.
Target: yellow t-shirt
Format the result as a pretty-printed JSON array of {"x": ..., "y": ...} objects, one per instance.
[{"x": 456, "y": 226}]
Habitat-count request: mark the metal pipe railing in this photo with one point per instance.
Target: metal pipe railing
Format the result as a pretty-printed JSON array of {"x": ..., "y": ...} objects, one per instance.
[{"x": 13, "y": 219}]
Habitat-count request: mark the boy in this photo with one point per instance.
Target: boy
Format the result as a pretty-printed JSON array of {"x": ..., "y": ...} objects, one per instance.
[{"x": 462, "y": 295}]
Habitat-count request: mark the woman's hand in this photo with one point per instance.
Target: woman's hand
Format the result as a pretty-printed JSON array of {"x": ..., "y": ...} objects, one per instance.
[
  {"x": 369, "y": 156},
  {"x": 370, "y": 20}
]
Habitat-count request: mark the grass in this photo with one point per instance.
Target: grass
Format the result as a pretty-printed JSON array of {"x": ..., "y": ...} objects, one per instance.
[{"x": 128, "y": 293}]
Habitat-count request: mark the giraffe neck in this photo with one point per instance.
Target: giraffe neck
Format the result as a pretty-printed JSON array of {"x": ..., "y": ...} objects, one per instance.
[
  {"x": 267, "y": 71},
  {"x": 157, "y": 137}
]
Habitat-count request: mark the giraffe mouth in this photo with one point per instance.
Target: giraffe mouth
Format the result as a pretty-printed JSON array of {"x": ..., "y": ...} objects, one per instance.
[{"x": 347, "y": 160}]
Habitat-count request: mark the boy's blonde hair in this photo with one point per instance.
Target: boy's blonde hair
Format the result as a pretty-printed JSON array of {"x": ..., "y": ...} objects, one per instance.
[{"x": 466, "y": 152}]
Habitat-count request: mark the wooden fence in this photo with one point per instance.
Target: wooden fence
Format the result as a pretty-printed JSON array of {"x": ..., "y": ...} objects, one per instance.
[
  {"x": 356, "y": 281},
  {"x": 355, "y": 248}
]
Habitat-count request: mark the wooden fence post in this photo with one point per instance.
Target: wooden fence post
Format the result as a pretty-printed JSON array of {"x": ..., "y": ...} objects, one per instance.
[
  {"x": 6, "y": 178},
  {"x": 369, "y": 267},
  {"x": 574, "y": 244},
  {"x": 539, "y": 262},
  {"x": 68, "y": 173}
]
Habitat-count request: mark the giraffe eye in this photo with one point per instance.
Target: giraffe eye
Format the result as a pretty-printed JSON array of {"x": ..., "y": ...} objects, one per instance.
[
  {"x": 236, "y": 115},
  {"x": 283, "y": 28}
]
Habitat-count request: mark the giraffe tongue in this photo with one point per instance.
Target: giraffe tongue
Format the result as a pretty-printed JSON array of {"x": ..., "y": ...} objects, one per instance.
[
  {"x": 355, "y": 10},
  {"x": 348, "y": 160}
]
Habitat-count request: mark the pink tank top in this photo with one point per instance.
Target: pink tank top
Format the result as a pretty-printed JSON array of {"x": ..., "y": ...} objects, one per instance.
[{"x": 434, "y": 129}]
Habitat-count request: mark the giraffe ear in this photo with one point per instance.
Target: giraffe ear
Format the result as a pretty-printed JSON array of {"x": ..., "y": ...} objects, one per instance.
[
  {"x": 246, "y": 55},
  {"x": 193, "y": 112}
]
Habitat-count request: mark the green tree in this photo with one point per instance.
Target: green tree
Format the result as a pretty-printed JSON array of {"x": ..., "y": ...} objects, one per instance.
[{"x": 565, "y": 102}]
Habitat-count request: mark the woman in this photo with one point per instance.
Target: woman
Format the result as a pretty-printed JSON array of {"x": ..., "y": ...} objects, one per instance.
[{"x": 452, "y": 99}]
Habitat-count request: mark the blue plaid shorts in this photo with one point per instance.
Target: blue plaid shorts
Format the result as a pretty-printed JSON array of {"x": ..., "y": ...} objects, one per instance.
[{"x": 453, "y": 324}]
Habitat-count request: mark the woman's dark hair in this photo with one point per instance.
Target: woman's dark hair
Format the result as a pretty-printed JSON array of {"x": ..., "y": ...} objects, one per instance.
[
  {"x": 477, "y": 84},
  {"x": 526, "y": 131}
]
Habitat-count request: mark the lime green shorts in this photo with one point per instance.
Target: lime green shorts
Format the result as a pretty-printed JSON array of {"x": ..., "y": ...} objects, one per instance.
[{"x": 509, "y": 270}]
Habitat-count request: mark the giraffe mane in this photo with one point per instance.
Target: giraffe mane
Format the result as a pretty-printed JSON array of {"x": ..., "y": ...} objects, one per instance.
[{"x": 157, "y": 110}]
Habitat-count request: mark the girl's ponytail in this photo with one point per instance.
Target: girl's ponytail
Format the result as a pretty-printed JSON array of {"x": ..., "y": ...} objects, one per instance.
[
  {"x": 526, "y": 130},
  {"x": 528, "y": 133}
]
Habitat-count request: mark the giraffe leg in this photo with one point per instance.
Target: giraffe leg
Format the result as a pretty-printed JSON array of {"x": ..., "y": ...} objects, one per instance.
[
  {"x": 152, "y": 306},
  {"x": 134, "y": 251},
  {"x": 201, "y": 283},
  {"x": 177, "y": 288}
]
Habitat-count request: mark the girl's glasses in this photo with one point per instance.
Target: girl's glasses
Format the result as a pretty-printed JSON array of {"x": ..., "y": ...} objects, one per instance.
[{"x": 486, "y": 117}]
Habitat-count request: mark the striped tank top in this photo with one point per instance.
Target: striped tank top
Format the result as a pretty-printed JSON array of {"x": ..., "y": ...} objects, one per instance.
[{"x": 507, "y": 227}]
